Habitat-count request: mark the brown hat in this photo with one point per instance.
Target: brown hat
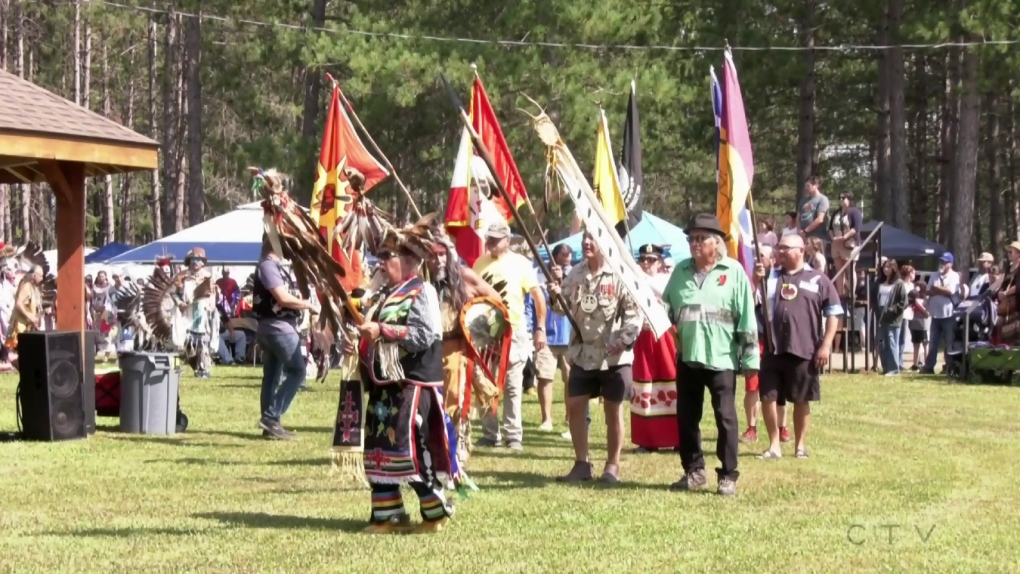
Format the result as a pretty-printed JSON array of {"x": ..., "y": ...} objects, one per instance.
[{"x": 706, "y": 222}]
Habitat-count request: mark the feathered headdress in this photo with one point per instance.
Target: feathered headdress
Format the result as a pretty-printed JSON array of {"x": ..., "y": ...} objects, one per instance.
[
  {"x": 295, "y": 237},
  {"x": 23, "y": 259}
]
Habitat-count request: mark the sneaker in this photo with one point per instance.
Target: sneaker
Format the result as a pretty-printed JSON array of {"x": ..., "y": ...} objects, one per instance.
[
  {"x": 566, "y": 435},
  {"x": 486, "y": 443},
  {"x": 581, "y": 472},
  {"x": 272, "y": 429},
  {"x": 694, "y": 480},
  {"x": 515, "y": 445},
  {"x": 547, "y": 426},
  {"x": 727, "y": 487},
  {"x": 750, "y": 435},
  {"x": 784, "y": 435}
]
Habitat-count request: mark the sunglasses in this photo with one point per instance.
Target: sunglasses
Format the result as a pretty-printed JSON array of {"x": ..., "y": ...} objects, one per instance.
[
  {"x": 647, "y": 259},
  {"x": 698, "y": 238},
  {"x": 385, "y": 255}
]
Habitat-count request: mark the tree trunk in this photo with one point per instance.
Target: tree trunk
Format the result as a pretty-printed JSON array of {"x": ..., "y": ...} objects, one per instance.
[
  {"x": 883, "y": 187},
  {"x": 919, "y": 181},
  {"x": 310, "y": 116},
  {"x": 5, "y": 19},
  {"x": 948, "y": 145},
  {"x": 897, "y": 120},
  {"x": 170, "y": 112},
  {"x": 154, "y": 200},
  {"x": 180, "y": 184},
  {"x": 192, "y": 62},
  {"x": 86, "y": 71},
  {"x": 77, "y": 56},
  {"x": 994, "y": 143},
  {"x": 965, "y": 165},
  {"x": 108, "y": 215},
  {"x": 125, "y": 230},
  {"x": 1012, "y": 197},
  {"x": 24, "y": 191},
  {"x": 806, "y": 120}
]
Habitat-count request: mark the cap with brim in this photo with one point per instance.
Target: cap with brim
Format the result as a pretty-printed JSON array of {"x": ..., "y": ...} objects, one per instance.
[
  {"x": 986, "y": 258},
  {"x": 650, "y": 250},
  {"x": 498, "y": 231},
  {"x": 1014, "y": 246},
  {"x": 946, "y": 257}
]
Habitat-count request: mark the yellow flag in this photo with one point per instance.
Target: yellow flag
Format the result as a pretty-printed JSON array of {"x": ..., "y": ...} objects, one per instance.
[{"x": 606, "y": 182}]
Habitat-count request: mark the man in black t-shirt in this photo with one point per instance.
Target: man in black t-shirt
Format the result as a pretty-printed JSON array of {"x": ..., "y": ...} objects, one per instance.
[
  {"x": 278, "y": 312},
  {"x": 800, "y": 348}
]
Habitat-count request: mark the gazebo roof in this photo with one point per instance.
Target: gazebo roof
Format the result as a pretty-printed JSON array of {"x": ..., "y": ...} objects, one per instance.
[{"x": 36, "y": 124}]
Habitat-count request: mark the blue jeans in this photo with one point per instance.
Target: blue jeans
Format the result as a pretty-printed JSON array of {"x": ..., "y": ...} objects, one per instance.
[
  {"x": 942, "y": 330},
  {"x": 889, "y": 345},
  {"x": 281, "y": 355}
]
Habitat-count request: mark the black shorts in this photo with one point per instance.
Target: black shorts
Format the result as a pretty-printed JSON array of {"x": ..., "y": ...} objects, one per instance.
[
  {"x": 788, "y": 377},
  {"x": 918, "y": 336},
  {"x": 612, "y": 384}
]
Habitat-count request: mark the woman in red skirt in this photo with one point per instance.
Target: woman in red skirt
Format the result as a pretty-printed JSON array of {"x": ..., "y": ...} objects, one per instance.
[{"x": 653, "y": 400}]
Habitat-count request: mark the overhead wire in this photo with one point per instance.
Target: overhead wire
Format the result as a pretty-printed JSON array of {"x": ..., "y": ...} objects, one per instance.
[{"x": 569, "y": 45}]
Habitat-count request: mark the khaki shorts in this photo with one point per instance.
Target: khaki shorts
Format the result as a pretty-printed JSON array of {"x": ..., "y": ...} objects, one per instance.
[
  {"x": 839, "y": 251},
  {"x": 548, "y": 360}
]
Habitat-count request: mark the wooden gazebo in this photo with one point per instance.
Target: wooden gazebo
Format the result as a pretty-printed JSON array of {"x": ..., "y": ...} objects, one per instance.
[{"x": 45, "y": 138}]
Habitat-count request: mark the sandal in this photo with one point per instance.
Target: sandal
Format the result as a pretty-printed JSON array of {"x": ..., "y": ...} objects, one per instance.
[
  {"x": 610, "y": 477},
  {"x": 802, "y": 453},
  {"x": 581, "y": 472},
  {"x": 770, "y": 455}
]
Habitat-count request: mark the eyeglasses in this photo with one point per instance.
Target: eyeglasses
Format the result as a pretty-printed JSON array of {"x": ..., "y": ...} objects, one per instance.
[
  {"x": 786, "y": 247},
  {"x": 385, "y": 255},
  {"x": 647, "y": 259}
]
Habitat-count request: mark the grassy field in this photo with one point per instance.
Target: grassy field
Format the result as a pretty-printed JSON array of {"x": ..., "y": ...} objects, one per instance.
[{"x": 906, "y": 475}]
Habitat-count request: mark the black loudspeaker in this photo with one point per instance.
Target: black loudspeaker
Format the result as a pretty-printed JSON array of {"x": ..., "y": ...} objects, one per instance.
[
  {"x": 89, "y": 381},
  {"x": 51, "y": 393}
]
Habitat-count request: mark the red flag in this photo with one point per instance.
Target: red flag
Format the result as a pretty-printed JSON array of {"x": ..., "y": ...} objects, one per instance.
[
  {"x": 341, "y": 148},
  {"x": 485, "y": 123},
  {"x": 458, "y": 212}
]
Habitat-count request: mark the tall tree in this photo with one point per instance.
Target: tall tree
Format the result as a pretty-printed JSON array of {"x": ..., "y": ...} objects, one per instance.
[
  {"x": 154, "y": 199},
  {"x": 896, "y": 86},
  {"x": 193, "y": 72},
  {"x": 106, "y": 233},
  {"x": 806, "y": 137},
  {"x": 966, "y": 159}
]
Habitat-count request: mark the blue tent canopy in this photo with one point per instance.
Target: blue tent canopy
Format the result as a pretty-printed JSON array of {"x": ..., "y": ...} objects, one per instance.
[
  {"x": 897, "y": 243},
  {"x": 234, "y": 238},
  {"x": 651, "y": 229},
  {"x": 106, "y": 252}
]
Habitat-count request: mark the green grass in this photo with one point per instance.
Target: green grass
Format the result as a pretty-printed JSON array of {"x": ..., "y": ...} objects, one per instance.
[{"x": 915, "y": 452}]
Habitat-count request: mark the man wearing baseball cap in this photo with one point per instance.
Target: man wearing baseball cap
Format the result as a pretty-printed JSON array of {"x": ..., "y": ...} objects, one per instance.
[
  {"x": 513, "y": 277},
  {"x": 943, "y": 296}
]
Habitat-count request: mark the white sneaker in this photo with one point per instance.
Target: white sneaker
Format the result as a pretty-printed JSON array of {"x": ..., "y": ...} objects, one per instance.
[
  {"x": 566, "y": 435},
  {"x": 547, "y": 426}
]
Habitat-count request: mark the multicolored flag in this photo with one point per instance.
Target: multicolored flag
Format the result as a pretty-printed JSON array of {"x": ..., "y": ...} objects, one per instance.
[
  {"x": 734, "y": 165},
  {"x": 341, "y": 148},
  {"x": 632, "y": 178},
  {"x": 605, "y": 182},
  {"x": 469, "y": 211}
]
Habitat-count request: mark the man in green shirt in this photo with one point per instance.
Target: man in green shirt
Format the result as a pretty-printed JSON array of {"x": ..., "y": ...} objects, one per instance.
[{"x": 710, "y": 299}]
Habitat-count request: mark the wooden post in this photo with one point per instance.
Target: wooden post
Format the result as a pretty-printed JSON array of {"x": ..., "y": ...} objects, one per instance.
[{"x": 68, "y": 182}]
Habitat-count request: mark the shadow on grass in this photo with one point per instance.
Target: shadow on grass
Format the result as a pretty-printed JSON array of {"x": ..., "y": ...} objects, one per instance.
[
  {"x": 320, "y": 461},
  {"x": 124, "y": 532},
  {"x": 509, "y": 454},
  {"x": 512, "y": 480},
  {"x": 310, "y": 429},
  {"x": 198, "y": 461},
  {"x": 283, "y": 521}
]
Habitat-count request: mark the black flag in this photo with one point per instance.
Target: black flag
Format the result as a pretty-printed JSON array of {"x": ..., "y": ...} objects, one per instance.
[{"x": 631, "y": 177}]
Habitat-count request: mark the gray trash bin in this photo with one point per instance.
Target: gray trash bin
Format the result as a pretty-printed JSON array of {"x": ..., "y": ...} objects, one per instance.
[{"x": 149, "y": 385}]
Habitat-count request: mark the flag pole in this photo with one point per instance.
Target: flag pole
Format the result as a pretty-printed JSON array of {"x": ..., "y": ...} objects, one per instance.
[
  {"x": 765, "y": 279},
  {"x": 375, "y": 146},
  {"x": 487, "y": 158}
]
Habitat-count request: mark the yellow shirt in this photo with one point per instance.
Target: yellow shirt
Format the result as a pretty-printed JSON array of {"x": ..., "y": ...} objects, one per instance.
[{"x": 512, "y": 276}]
